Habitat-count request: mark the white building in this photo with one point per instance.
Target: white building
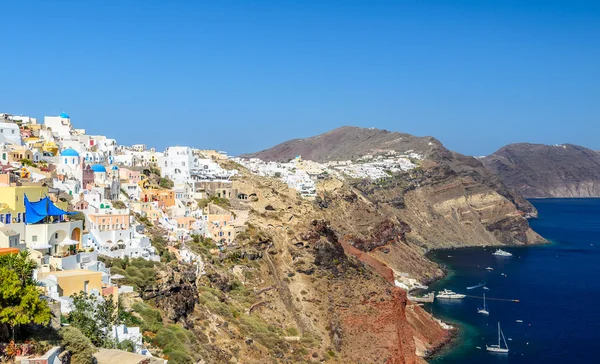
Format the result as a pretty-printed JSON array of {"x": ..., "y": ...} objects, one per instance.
[
  {"x": 177, "y": 163},
  {"x": 60, "y": 125},
  {"x": 24, "y": 120},
  {"x": 10, "y": 133},
  {"x": 70, "y": 164}
]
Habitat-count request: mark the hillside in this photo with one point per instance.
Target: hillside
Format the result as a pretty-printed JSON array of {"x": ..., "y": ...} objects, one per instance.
[
  {"x": 348, "y": 143},
  {"x": 351, "y": 143},
  {"x": 539, "y": 171}
]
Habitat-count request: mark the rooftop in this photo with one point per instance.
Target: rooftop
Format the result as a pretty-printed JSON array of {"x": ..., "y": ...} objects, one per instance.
[
  {"x": 70, "y": 273},
  {"x": 69, "y": 152}
]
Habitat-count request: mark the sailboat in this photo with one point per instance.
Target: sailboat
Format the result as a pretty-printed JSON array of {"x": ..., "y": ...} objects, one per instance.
[
  {"x": 498, "y": 348},
  {"x": 483, "y": 310}
]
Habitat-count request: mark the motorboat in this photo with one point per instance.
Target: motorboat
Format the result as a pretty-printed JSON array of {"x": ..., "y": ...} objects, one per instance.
[
  {"x": 446, "y": 293},
  {"x": 502, "y": 253},
  {"x": 476, "y": 286},
  {"x": 489, "y": 268}
]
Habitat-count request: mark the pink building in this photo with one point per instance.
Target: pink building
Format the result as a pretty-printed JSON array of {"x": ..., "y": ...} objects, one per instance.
[{"x": 131, "y": 176}]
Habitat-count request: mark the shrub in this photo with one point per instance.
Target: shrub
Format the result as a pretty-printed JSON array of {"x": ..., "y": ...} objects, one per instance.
[
  {"x": 151, "y": 319},
  {"x": 179, "y": 357},
  {"x": 127, "y": 345},
  {"x": 166, "y": 183},
  {"x": 75, "y": 342},
  {"x": 292, "y": 331}
]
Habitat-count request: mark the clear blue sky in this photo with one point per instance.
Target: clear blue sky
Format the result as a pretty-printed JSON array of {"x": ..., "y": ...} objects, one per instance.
[{"x": 246, "y": 75}]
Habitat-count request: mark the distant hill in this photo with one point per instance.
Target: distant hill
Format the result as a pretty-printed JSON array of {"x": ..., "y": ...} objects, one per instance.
[
  {"x": 537, "y": 170},
  {"x": 349, "y": 143}
]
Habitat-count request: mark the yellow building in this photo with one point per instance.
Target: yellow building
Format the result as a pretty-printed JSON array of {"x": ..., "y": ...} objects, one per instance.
[
  {"x": 12, "y": 197},
  {"x": 70, "y": 282},
  {"x": 50, "y": 147}
]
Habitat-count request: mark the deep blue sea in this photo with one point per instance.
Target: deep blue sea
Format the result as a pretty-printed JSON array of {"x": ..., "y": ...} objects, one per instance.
[{"x": 558, "y": 286}]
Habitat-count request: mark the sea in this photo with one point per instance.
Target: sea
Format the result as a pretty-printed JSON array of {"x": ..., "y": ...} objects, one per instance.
[{"x": 557, "y": 287}]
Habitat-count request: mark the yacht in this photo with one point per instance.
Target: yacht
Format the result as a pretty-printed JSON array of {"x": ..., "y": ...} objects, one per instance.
[
  {"x": 502, "y": 253},
  {"x": 489, "y": 268},
  {"x": 498, "y": 348},
  {"x": 484, "y": 310},
  {"x": 446, "y": 293}
]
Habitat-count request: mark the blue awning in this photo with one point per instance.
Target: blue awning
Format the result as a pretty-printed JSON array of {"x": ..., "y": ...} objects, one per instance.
[{"x": 37, "y": 211}]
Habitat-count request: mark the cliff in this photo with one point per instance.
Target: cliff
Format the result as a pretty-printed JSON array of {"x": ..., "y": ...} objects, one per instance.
[
  {"x": 312, "y": 280},
  {"x": 542, "y": 171}
]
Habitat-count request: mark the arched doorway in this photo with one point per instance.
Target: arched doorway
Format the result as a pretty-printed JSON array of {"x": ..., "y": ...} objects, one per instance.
[{"x": 76, "y": 234}]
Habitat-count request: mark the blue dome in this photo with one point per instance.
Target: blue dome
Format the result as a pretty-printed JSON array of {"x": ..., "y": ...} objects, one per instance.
[
  {"x": 115, "y": 168},
  {"x": 98, "y": 168},
  {"x": 69, "y": 152},
  {"x": 64, "y": 115}
]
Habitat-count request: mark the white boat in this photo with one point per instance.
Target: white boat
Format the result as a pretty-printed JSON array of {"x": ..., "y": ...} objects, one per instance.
[
  {"x": 502, "y": 253},
  {"x": 484, "y": 310},
  {"x": 498, "y": 348},
  {"x": 446, "y": 293},
  {"x": 487, "y": 289},
  {"x": 520, "y": 321},
  {"x": 489, "y": 268},
  {"x": 476, "y": 286}
]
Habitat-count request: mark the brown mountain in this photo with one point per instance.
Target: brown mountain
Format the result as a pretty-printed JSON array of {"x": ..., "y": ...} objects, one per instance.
[
  {"x": 348, "y": 143},
  {"x": 537, "y": 170}
]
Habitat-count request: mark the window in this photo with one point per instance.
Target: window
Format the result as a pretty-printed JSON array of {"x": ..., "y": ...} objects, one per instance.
[
  {"x": 85, "y": 286},
  {"x": 13, "y": 131},
  {"x": 55, "y": 235}
]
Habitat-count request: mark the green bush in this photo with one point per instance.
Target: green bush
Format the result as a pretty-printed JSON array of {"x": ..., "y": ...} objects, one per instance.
[
  {"x": 179, "y": 357},
  {"x": 151, "y": 319},
  {"x": 127, "y": 345},
  {"x": 81, "y": 348},
  {"x": 292, "y": 331},
  {"x": 166, "y": 183}
]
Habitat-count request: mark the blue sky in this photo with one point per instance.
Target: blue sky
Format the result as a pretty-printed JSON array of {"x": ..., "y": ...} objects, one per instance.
[{"x": 245, "y": 75}]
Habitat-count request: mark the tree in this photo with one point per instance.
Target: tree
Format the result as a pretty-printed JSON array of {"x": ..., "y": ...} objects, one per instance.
[
  {"x": 94, "y": 317},
  {"x": 20, "y": 264},
  {"x": 20, "y": 302},
  {"x": 75, "y": 342}
]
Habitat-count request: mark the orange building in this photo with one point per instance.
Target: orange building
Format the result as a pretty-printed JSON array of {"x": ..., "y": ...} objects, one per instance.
[
  {"x": 186, "y": 222},
  {"x": 165, "y": 198},
  {"x": 220, "y": 227}
]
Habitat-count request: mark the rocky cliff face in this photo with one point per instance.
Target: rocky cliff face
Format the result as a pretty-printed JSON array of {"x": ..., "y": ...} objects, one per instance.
[
  {"x": 537, "y": 170},
  {"x": 314, "y": 280}
]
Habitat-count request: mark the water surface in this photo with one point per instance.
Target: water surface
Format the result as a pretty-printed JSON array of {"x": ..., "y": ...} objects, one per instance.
[{"x": 557, "y": 285}]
